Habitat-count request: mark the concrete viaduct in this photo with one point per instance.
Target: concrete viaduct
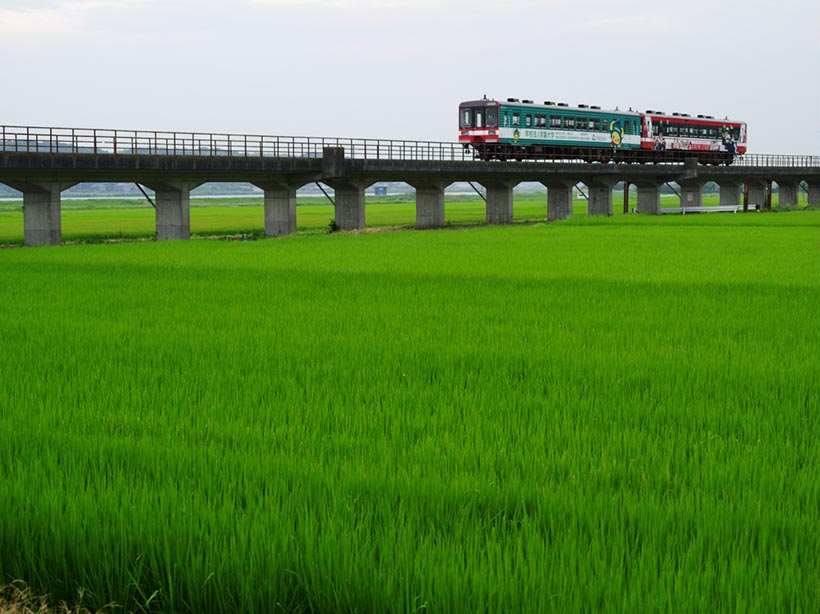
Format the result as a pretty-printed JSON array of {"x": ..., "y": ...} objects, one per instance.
[{"x": 43, "y": 162}]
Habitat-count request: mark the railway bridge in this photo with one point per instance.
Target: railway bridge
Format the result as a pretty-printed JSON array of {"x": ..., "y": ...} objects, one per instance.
[{"x": 43, "y": 162}]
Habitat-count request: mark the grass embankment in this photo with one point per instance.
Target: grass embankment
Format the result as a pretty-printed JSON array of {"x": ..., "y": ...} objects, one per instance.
[
  {"x": 608, "y": 416},
  {"x": 99, "y": 220}
]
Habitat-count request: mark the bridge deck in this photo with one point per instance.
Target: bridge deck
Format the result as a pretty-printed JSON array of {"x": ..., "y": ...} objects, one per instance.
[{"x": 42, "y": 162}]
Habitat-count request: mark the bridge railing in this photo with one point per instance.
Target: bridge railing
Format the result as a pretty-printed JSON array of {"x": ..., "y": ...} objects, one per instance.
[
  {"x": 134, "y": 142},
  {"x": 776, "y": 160},
  {"x": 35, "y": 139}
]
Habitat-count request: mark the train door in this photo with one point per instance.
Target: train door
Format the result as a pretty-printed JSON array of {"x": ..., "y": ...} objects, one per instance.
[{"x": 479, "y": 118}]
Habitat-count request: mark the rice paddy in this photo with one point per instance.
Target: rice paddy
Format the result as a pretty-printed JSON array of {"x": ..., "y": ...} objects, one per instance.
[{"x": 600, "y": 414}]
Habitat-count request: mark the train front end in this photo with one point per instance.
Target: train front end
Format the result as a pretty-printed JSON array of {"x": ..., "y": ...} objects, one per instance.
[{"x": 478, "y": 123}]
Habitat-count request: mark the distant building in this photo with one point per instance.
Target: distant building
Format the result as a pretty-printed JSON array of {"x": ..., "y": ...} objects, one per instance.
[{"x": 380, "y": 190}]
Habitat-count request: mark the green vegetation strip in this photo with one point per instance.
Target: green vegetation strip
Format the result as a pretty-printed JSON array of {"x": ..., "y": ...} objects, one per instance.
[
  {"x": 614, "y": 416},
  {"x": 113, "y": 219}
]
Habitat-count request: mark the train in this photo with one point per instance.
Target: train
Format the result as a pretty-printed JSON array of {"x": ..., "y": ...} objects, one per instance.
[{"x": 525, "y": 130}]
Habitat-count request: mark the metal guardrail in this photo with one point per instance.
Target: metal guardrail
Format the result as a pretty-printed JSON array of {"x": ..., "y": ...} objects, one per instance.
[
  {"x": 135, "y": 142},
  {"x": 777, "y": 160},
  {"x": 37, "y": 139}
]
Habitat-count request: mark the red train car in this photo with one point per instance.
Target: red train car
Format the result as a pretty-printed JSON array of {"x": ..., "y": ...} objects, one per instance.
[{"x": 703, "y": 136}]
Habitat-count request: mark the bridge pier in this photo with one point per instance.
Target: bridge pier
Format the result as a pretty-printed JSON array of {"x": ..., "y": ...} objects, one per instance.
[
  {"x": 559, "y": 200},
  {"x": 757, "y": 193},
  {"x": 814, "y": 195},
  {"x": 430, "y": 203},
  {"x": 730, "y": 191},
  {"x": 649, "y": 198},
  {"x": 42, "y": 215},
  {"x": 600, "y": 196},
  {"x": 173, "y": 209},
  {"x": 499, "y": 201},
  {"x": 787, "y": 193},
  {"x": 280, "y": 206},
  {"x": 691, "y": 194},
  {"x": 349, "y": 203}
]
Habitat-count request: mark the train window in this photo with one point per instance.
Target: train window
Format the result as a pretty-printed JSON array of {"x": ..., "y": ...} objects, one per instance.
[
  {"x": 479, "y": 118},
  {"x": 528, "y": 120},
  {"x": 672, "y": 130},
  {"x": 555, "y": 122},
  {"x": 569, "y": 122},
  {"x": 492, "y": 117},
  {"x": 595, "y": 124},
  {"x": 516, "y": 119},
  {"x": 581, "y": 123},
  {"x": 627, "y": 127},
  {"x": 540, "y": 121},
  {"x": 466, "y": 118}
]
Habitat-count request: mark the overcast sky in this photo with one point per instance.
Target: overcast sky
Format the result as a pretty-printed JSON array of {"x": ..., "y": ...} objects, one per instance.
[{"x": 398, "y": 69}]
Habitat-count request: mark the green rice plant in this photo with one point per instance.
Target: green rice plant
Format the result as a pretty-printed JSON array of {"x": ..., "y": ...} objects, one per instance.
[{"x": 613, "y": 414}]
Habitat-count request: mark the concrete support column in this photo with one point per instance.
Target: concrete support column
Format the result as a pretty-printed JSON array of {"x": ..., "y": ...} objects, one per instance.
[
  {"x": 349, "y": 200},
  {"x": 691, "y": 194},
  {"x": 787, "y": 193},
  {"x": 42, "y": 216},
  {"x": 280, "y": 206},
  {"x": 757, "y": 194},
  {"x": 600, "y": 196},
  {"x": 649, "y": 198},
  {"x": 349, "y": 203},
  {"x": 173, "y": 209},
  {"x": 430, "y": 203},
  {"x": 814, "y": 195},
  {"x": 559, "y": 201},
  {"x": 499, "y": 201},
  {"x": 730, "y": 191},
  {"x": 280, "y": 211}
]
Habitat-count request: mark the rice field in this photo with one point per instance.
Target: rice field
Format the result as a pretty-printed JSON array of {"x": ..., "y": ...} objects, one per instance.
[{"x": 595, "y": 415}]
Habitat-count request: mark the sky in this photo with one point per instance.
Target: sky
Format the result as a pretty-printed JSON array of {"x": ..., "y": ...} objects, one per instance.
[{"x": 398, "y": 69}]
